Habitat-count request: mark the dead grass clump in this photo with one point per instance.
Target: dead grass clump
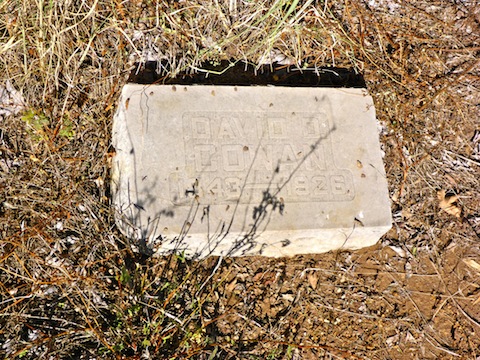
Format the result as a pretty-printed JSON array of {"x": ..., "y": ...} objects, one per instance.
[{"x": 70, "y": 286}]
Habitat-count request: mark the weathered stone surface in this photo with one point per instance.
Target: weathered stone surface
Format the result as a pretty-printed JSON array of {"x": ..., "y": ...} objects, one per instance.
[{"x": 224, "y": 170}]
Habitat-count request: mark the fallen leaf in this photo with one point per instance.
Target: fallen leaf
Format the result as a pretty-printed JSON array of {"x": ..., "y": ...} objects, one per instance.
[
  {"x": 257, "y": 277},
  {"x": 312, "y": 280},
  {"x": 448, "y": 203},
  {"x": 288, "y": 297},
  {"x": 472, "y": 263},
  {"x": 230, "y": 287}
]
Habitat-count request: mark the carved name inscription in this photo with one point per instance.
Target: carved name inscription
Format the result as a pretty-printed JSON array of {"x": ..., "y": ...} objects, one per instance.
[{"x": 231, "y": 156}]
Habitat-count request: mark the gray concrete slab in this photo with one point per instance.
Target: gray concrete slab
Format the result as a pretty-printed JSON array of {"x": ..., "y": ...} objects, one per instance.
[{"x": 224, "y": 170}]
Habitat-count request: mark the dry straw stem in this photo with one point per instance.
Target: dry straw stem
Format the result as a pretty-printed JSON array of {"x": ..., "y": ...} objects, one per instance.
[{"x": 70, "y": 286}]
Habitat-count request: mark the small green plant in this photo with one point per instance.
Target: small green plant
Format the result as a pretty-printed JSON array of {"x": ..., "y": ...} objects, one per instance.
[
  {"x": 119, "y": 347},
  {"x": 66, "y": 130},
  {"x": 146, "y": 343},
  {"x": 289, "y": 351},
  {"x": 181, "y": 256},
  {"x": 37, "y": 123},
  {"x": 23, "y": 353},
  {"x": 124, "y": 277},
  {"x": 274, "y": 354},
  {"x": 149, "y": 328},
  {"x": 133, "y": 310}
]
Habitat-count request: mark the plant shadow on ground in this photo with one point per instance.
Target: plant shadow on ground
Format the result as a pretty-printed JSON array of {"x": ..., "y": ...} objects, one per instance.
[{"x": 70, "y": 286}]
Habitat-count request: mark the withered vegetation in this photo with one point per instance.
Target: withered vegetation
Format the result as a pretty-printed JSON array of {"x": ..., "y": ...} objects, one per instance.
[{"x": 70, "y": 285}]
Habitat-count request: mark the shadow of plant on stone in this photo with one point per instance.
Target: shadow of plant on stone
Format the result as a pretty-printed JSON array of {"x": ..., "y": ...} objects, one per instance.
[
  {"x": 256, "y": 219},
  {"x": 247, "y": 180},
  {"x": 129, "y": 217}
]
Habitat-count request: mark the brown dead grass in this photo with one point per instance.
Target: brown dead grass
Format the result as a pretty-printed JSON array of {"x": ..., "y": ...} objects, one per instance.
[{"x": 70, "y": 287}]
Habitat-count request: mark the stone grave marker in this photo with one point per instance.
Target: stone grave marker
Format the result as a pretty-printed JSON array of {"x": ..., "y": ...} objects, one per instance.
[{"x": 248, "y": 170}]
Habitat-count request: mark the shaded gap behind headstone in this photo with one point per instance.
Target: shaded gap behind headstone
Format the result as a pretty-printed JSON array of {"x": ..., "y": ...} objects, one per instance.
[{"x": 245, "y": 74}]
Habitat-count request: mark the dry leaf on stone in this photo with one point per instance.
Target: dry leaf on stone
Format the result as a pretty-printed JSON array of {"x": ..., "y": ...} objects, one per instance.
[{"x": 448, "y": 203}]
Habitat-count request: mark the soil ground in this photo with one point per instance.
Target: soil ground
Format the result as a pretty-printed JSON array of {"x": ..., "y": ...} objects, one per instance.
[{"x": 72, "y": 288}]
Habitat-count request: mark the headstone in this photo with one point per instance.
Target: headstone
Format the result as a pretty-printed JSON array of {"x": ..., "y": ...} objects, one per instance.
[{"x": 256, "y": 170}]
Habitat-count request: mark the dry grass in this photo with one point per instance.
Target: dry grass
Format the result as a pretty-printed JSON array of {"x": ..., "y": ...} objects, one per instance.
[{"x": 70, "y": 287}]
